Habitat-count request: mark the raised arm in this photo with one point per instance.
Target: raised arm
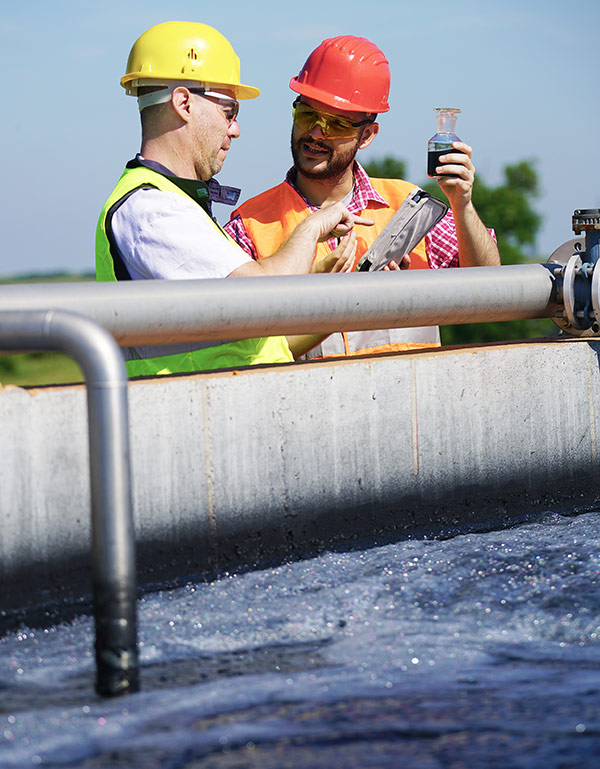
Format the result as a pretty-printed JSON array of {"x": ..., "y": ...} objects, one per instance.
[{"x": 476, "y": 247}]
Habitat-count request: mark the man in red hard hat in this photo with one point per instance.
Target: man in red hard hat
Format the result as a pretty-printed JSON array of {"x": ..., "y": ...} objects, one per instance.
[{"x": 341, "y": 88}]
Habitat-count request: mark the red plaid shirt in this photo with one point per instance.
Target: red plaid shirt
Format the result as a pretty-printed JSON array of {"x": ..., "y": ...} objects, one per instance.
[{"x": 441, "y": 244}]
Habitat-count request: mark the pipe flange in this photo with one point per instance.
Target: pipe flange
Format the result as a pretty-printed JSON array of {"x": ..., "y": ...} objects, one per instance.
[
  {"x": 596, "y": 299},
  {"x": 568, "y": 321},
  {"x": 563, "y": 253},
  {"x": 560, "y": 257},
  {"x": 571, "y": 271}
]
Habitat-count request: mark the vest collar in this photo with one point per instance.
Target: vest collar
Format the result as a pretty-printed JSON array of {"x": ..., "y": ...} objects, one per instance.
[{"x": 204, "y": 193}]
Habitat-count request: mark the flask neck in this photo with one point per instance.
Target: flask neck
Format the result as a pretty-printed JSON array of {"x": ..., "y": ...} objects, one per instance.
[{"x": 446, "y": 123}]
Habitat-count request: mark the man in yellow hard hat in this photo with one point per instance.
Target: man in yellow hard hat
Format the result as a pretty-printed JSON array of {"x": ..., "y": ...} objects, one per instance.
[
  {"x": 340, "y": 89},
  {"x": 157, "y": 223}
]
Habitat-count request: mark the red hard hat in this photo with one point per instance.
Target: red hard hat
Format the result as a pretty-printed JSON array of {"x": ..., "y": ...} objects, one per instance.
[{"x": 347, "y": 72}]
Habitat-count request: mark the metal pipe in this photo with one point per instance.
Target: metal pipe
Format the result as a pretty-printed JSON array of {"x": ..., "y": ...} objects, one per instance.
[
  {"x": 113, "y": 543},
  {"x": 166, "y": 312}
]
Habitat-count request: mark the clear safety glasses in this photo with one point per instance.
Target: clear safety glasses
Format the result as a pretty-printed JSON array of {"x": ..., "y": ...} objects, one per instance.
[
  {"x": 332, "y": 126},
  {"x": 229, "y": 106}
]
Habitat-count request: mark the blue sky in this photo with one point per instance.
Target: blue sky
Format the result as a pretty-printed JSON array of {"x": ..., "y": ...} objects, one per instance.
[{"x": 525, "y": 75}]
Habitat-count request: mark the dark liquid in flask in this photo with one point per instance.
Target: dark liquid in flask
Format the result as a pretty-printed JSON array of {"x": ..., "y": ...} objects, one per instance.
[{"x": 433, "y": 160}]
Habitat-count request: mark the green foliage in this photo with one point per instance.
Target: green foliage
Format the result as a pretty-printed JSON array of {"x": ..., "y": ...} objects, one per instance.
[
  {"x": 7, "y": 364},
  {"x": 387, "y": 168},
  {"x": 38, "y": 368},
  {"x": 507, "y": 209},
  {"x": 480, "y": 333}
]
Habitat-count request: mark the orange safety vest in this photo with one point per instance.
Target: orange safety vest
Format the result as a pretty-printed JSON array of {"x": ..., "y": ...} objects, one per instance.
[{"x": 271, "y": 217}]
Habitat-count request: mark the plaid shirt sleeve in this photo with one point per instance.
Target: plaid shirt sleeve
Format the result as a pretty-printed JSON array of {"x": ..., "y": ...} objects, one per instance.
[
  {"x": 236, "y": 230},
  {"x": 441, "y": 243}
]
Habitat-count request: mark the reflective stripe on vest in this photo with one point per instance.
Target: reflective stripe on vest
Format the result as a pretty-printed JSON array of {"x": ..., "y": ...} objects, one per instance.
[
  {"x": 375, "y": 342},
  {"x": 271, "y": 217},
  {"x": 177, "y": 358}
]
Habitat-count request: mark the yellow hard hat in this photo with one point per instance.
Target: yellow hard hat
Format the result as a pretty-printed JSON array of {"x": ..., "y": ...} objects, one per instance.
[{"x": 178, "y": 51}]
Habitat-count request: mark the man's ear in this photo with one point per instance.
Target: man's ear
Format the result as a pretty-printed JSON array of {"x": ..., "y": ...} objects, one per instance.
[
  {"x": 369, "y": 133},
  {"x": 181, "y": 102}
]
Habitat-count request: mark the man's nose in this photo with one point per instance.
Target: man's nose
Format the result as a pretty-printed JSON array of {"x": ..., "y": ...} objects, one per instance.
[
  {"x": 234, "y": 130},
  {"x": 317, "y": 132}
]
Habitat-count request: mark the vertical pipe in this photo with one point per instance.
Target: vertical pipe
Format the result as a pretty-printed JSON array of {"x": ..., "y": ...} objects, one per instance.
[
  {"x": 113, "y": 541},
  {"x": 592, "y": 245},
  {"x": 113, "y": 548}
]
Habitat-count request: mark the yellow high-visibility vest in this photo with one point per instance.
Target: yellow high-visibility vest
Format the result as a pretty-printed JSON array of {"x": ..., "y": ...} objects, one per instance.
[{"x": 195, "y": 357}]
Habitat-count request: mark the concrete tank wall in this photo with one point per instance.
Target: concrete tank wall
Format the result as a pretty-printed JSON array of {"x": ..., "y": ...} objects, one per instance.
[{"x": 233, "y": 467}]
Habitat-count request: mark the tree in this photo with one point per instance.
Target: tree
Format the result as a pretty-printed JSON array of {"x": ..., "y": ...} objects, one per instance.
[
  {"x": 387, "y": 168},
  {"x": 507, "y": 209}
]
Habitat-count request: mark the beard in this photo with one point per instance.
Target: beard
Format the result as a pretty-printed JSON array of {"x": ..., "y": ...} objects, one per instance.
[{"x": 338, "y": 160}]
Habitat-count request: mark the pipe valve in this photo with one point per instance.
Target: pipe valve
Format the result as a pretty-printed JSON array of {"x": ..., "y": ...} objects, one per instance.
[{"x": 580, "y": 276}]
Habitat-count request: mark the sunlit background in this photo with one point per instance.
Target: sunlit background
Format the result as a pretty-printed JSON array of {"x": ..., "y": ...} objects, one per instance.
[{"x": 523, "y": 73}]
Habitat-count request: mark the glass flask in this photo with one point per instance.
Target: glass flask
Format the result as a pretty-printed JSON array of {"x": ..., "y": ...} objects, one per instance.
[{"x": 441, "y": 141}]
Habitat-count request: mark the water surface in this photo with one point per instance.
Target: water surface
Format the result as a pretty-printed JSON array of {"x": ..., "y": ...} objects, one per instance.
[{"x": 478, "y": 651}]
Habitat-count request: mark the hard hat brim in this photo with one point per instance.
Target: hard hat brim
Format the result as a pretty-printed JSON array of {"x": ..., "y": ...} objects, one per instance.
[
  {"x": 311, "y": 92},
  {"x": 239, "y": 91}
]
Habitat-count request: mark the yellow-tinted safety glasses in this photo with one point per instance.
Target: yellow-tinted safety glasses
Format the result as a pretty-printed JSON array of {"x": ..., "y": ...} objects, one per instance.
[{"x": 333, "y": 126}]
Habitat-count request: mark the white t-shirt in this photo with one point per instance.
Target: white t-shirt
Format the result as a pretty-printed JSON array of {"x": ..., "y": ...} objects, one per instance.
[{"x": 166, "y": 235}]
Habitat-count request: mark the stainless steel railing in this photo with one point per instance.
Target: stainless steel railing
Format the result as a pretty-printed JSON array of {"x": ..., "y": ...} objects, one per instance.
[
  {"x": 166, "y": 312},
  {"x": 113, "y": 540}
]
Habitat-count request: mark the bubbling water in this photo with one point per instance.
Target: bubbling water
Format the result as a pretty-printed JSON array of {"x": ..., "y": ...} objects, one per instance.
[{"x": 447, "y": 653}]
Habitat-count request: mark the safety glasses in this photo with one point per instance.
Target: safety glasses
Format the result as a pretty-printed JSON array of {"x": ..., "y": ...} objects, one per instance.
[
  {"x": 230, "y": 107},
  {"x": 332, "y": 126}
]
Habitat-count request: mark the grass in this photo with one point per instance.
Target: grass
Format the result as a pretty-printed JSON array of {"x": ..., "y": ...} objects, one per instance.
[{"x": 40, "y": 368}]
